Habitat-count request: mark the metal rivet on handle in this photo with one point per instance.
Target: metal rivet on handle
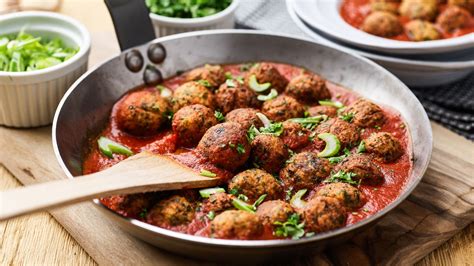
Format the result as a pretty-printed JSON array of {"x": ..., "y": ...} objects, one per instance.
[
  {"x": 134, "y": 61},
  {"x": 156, "y": 53},
  {"x": 152, "y": 76}
]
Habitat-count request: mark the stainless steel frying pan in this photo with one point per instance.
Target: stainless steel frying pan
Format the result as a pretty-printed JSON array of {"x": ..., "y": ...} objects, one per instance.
[{"x": 86, "y": 107}]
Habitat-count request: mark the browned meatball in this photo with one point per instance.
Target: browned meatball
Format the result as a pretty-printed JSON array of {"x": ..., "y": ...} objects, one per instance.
[
  {"x": 274, "y": 211},
  {"x": 225, "y": 145},
  {"x": 305, "y": 170},
  {"x": 173, "y": 211},
  {"x": 142, "y": 113},
  {"x": 294, "y": 135},
  {"x": 246, "y": 117},
  {"x": 467, "y": 4},
  {"x": 419, "y": 9},
  {"x": 134, "y": 205},
  {"x": 191, "y": 122},
  {"x": 232, "y": 95},
  {"x": 349, "y": 196},
  {"x": 365, "y": 113},
  {"x": 266, "y": 72},
  {"x": 385, "y": 5},
  {"x": 192, "y": 93},
  {"x": 282, "y": 108},
  {"x": 322, "y": 214},
  {"x": 330, "y": 111},
  {"x": 453, "y": 18},
  {"x": 308, "y": 88},
  {"x": 383, "y": 24},
  {"x": 346, "y": 132},
  {"x": 363, "y": 168},
  {"x": 269, "y": 153},
  {"x": 235, "y": 224},
  {"x": 419, "y": 30},
  {"x": 384, "y": 146},
  {"x": 214, "y": 74},
  {"x": 218, "y": 202},
  {"x": 255, "y": 182}
]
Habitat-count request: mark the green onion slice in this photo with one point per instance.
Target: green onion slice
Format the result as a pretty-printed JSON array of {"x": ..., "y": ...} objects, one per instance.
[
  {"x": 207, "y": 173},
  {"x": 272, "y": 95},
  {"x": 109, "y": 147},
  {"x": 254, "y": 85},
  {"x": 265, "y": 121},
  {"x": 336, "y": 104},
  {"x": 296, "y": 200},
  {"x": 333, "y": 145},
  {"x": 242, "y": 205},
  {"x": 164, "y": 92},
  {"x": 207, "y": 192}
]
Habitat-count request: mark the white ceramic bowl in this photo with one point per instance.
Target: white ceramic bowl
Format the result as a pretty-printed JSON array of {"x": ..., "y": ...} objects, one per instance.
[
  {"x": 29, "y": 99},
  {"x": 324, "y": 15},
  {"x": 168, "y": 25},
  {"x": 420, "y": 72}
]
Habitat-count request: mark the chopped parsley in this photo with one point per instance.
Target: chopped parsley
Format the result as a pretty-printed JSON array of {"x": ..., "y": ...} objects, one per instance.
[
  {"x": 228, "y": 75},
  {"x": 234, "y": 191},
  {"x": 361, "y": 147},
  {"x": 275, "y": 129},
  {"x": 143, "y": 213},
  {"x": 230, "y": 83},
  {"x": 347, "y": 117},
  {"x": 204, "y": 83},
  {"x": 377, "y": 127},
  {"x": 338, "y": 159},
  {"x": 240, "y": 149},
  {"x": 288, "y": 193},
  {"x": 291, "y": 228},
  {"x": 187, "y": 8},
  {"x": 207, "y": 173},
  {"x": 219, "y": 116},
  {"x": 343, "y": 177},
  {"x": 310, "y": 122},
  {"x": 242, "y": 197},
  {"x": 211, "y": 215}
]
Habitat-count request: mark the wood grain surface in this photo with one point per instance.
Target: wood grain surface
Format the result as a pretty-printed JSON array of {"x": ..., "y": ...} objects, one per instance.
[{"x": 436, "y": 211}]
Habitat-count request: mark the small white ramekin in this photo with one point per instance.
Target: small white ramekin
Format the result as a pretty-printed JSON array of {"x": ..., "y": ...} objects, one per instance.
[
  {"x": 29, "y": 99},
  {"x": 168, "y": 25}
]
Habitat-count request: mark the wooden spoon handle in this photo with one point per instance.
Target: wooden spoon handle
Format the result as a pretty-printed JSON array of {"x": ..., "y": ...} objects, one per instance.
[{"x": 139, "y": 173}]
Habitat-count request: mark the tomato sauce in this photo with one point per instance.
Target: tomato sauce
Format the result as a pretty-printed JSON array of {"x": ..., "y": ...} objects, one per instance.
[
  {"x": 354, "y": 12},
  {"x": 377, "y": 197}
]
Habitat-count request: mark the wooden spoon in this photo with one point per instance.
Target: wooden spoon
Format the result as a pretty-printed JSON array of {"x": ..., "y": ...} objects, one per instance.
[{"x": 143, "y": 172}]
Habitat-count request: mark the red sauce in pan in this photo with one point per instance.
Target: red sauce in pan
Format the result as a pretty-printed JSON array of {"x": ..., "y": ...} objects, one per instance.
[
  {"x": 378, "y": 197},
  {"x": 354, "y": 12}
]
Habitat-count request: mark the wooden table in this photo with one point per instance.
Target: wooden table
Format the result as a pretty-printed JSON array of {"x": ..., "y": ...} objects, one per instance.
[{"x": 39, "y": 239}]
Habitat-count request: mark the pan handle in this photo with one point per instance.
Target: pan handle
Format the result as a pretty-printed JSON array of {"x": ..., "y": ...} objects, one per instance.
[{"x": 132, "y": 22}]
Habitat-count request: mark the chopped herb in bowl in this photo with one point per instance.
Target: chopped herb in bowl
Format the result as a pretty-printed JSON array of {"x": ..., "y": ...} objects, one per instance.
[
  {"x": 187, "y": 8},
  {"x": 24, "y": 52}
]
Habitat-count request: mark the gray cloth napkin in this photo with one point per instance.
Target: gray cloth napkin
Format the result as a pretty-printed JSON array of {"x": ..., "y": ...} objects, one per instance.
[{"x": 451, "y": 105}]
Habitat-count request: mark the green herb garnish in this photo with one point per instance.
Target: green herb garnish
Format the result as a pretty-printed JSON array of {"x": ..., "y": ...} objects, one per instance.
[
  {"x": 211, "y": 215},
  {"x": 207, "y": 192},
  {"x": 228, "y": 75},
  {"x": 343, "y": 177},
  {"x": 207, "y": 173},
  {"x": 347, "y": 117},
  {"x": 240, "y": 149},
  {"x": 108, "y": 147},
  {"x": 259, "y": 201},
  {"x": 242, "y": 205},
  {"x": 164, "y": 92},
  {"x": 291, "y": 228},
  {"x": 377, "y": 127},
  {"x": 296, "y": 200},
  {"x": 338, "y": 159},
  {"x": 234, "y": 191},
  {"x": 336, "y": 104},
  {"x": 361, "y": 147},
  {"x": 310, "y": 122},
  {"x": 143, "y": 213},
  {"x": 219, "y": 116},
  {"x": 230, "y": 83},
  {"x": 187, "y": 8},
  {"x": 24, "y": 52},
  {"x": 204, "y": 83}
]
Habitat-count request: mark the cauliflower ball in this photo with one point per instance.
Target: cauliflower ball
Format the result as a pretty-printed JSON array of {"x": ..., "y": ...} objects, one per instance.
[
  {"x": 266, "y": 72},
  {"x": 384, "y": 146},
  {"x": 363, "y": 168},
  {"x": 308, "y": 88},
  {"x": 173, "y": 211},
  {"x": 192, "y": 93},
  {"x": 383, "y": 24},
  {"x": 365, "y": 113},
  {"x": 452, "y": 18},
  {"x": 191, "y": 122},
  {"x": 269, "y": 153},
  {"x": 232, "y": 95},
  {"x": 234, "y": 224},
  {"x": 305, "y": 170},
  {"x": 274, "y": 211},
  {"x": 282, "y": 108},
  {"x": 253, "y": 183},
  {"x": 213, "y": 74},
  {"x": 419, "y": 30},
  {"x": 419, "y": 9},
  {"x": 323, "y": 214},
  {"x": 349, "y": 196},
  {"x": 246, "y": 117}
]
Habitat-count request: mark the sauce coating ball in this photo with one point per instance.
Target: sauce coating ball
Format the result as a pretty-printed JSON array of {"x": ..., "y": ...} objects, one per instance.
[
  {"x": 384, "y": 146},
  {"x": 349, "y": 196},
  {"x": 269, "y": 152},
  {"x": 246, "y": 117},
  {"x": 236, "y": 224},
  {"x": 308, "y": 88},
  {"x": 467, "y": 4},
  {"x": 363, "y": 168},
  {"x": 322, "y": 214},
  {"x": 253, "y": 183},
  {"x": 191, "y": 122},
  {"x": 365, "y": 113},
  {"x": 419, "y": 9},
  {"x": 305, "y": 170},
  {"x": 192, "y": 93},
  {"x": 419, "y": 30},
  {"x": 330, "y": 111},
  {"x": 173, "y": 211},
  {"x": 383, "y": 24},
  {"x": 233, "y": 95},
  {"x": 218, "y": 202},
  {"x": 266, "y": 72},
  {"x": 214, "y": 74},
  {"x": 225, "y": 145},
  {"x": 346, "y": 132},
  {"x": 274, "y": 211},
  {"x": 282, "y": 108},
  {"x": 294, "y": 135},
  {"x": 131, "y": 205},
  {"x": 385, "y": 5},
  {"x": 142, "y": 113},
  {"x": 453, "y": 18}
]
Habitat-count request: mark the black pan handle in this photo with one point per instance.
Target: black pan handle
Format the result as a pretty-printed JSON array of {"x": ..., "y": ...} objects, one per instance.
[{"x": 132, "y": 22}]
